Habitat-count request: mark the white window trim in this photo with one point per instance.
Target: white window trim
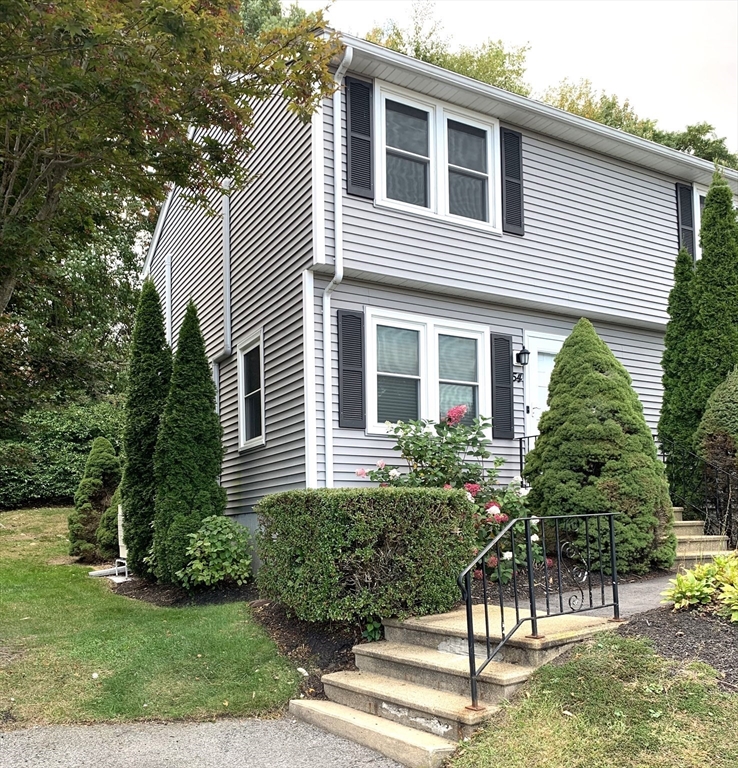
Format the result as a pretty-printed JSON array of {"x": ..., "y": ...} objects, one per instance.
[
  {"x": 439, "y": 112},
  {"x": 429, "y": 328},
  {"x": 697, "y": 192},
  {"x": 246, "y": 345}
]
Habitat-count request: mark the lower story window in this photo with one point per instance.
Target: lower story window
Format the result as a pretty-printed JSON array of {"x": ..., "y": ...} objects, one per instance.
[
  {"x": 251, "y": 390},
  {"x": 419, "y": 368}
]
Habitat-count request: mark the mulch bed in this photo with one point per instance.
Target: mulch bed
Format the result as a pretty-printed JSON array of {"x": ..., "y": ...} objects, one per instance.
[
  {"x": 691, "y": 635},
  {"x": 317, "y": 648}
]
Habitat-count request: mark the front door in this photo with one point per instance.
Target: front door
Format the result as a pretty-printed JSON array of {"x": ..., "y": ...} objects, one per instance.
[{"x": 543, "y": 349}]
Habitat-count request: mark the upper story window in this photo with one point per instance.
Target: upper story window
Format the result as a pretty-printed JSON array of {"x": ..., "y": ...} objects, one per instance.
[
  {"x": 437, "y": 160},
  {"x": 251, "y": 391}
]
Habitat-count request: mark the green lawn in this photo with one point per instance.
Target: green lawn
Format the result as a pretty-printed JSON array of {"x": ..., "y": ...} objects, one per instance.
[
  {"x": 613, "y": 705},
  {"x": 72, "y": 651}
]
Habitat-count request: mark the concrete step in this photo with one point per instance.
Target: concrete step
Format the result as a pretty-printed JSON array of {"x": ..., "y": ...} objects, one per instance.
[
  {"x": 447, "y": 632},
  {"x": 440, "y": 712},
  {"x": 689, "y": 528},
  {"x": 678, "y": 514},
  {"x": 697, "y": 545},
  {"x": 440, "y": 670},
  {"x": 408, "y": 746},
  {"x": 684, "y": 562}
]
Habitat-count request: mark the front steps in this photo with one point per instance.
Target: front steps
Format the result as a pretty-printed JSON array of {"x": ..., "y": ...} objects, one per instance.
[
  {"x": 693, "y": 546},
  {"x": 410, "y": 696}
]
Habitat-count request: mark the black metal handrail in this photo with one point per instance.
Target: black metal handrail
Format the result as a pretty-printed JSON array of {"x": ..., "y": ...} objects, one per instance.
[{"x": 581, "y": 545}]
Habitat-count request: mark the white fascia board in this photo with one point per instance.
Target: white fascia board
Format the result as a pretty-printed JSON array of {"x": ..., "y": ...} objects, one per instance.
[{"x": 157, "y": 233}]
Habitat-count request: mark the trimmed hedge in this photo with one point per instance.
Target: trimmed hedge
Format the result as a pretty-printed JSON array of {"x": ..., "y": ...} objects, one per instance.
[{"x": 352, "y": 554}]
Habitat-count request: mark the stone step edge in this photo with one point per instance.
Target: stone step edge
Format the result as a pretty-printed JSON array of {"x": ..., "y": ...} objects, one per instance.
[
  {"x": 498, "y": 673},
  {"x": 702, "y": 538},
  {"x": 367, "y": 684},
  {"x": 702, "y": 555},
  {"x": 408, "y": 746}
]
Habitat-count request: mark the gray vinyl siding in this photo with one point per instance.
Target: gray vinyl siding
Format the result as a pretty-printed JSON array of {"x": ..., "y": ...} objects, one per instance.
[
  {"x": 638, "y": 349},
  {"x": 600, "y": 240},
  {"x": 271, "y": 243}
]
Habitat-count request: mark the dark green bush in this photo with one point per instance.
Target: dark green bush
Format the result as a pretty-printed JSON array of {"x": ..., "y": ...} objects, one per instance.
[
  {"x": 350, "y": 554},
  {"x": 107, "y": 532},
  {"x": 46, "y": 465},
  {"x": 595, "y": 453},
  {"x": 93, "y": 497}
]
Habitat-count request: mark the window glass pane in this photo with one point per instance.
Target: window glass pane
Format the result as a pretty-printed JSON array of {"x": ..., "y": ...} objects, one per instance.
[
  {"x": 252, "y": 416},
  {"x": 398, "y": 351},
  {"x": 459, "y": 394},
  {"x": 252, "y": 370},
  {"x": 397, "y": 399},
  {"x": 457, "y": 358},
  {"x": 467, "y": 196},
  {"x": 467, "y": 146},
  {"x": 407, "y": 180},
  {"x": 407, "y": 128}
]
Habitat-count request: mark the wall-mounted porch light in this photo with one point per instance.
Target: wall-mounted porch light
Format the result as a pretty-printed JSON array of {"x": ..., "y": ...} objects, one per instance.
[{"x": 521, "y": 358}]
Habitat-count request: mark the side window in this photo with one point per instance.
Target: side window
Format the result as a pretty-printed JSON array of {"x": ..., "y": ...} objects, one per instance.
[{"x": 251, "y": 391}]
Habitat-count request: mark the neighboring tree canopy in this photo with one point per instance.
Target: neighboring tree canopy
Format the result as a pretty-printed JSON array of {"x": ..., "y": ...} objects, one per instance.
[
  {"x": 595, "y": 453},
  {"x": 149, "y": 375},
  {"x": 133, "y": 97},
  {"x": 188, "y": 454}
]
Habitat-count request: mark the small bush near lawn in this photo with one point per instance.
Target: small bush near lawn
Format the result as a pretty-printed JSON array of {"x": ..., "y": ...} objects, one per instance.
[
  {"x": 219, "y": 552},
  {"x": 352, "y": 554},
  {"x": 710, "y": 586}
]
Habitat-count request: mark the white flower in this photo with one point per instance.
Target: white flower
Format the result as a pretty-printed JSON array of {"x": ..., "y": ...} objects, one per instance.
[
  {"x": 507, "y": 555},
  {"x": 381, "y": 464},
  {"x": 388, "y": 424},
  {"x": 429, "y": 430},
  {"x": 523, "y": 491},
  {"x": 534, "y": 520},
  {"x": 469, "y": 496},
  {"x": 394, "y": 474},
  {"x": 94, "y": 675},
  {"x": 517, "y": 479},
  {"x": 534, "y": 537}
]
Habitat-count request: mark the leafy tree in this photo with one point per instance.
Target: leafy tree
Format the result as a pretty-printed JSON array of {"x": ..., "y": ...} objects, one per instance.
[
  {"x": 678, "y": 420},
  {"x": 265, "y": 15},
  {"x": 714, "y": 340},
  {"x": 491, "y": 62},
  {"x": 699, "y": 140},
  {"x": 106, "y": 535},
  {"x": 133, "y": 96},
  {"x": 149, "y": 375},
  {"x": 188, "y": 454},
  {"x": 93, "y": 496},
  {"x": 595, "y": 453}
]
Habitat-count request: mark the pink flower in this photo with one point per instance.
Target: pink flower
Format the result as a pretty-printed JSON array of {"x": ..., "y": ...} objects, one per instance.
[
  {"x": 492, "y": 562},
  {"x": 381, "y": 464},
  {"x": 501, "y": 517},
  {"x": 478, "y": 574},
  {"x": 492, "y": 507},
  {"x": 361, "y": 472},
  {"x": 549, "y": 562},
  {"x": 448, "y": 487},
  {"x": 473, "y": 488},
  {"x": 455, "y": 415},
  {"x": 384, "y": 485}
]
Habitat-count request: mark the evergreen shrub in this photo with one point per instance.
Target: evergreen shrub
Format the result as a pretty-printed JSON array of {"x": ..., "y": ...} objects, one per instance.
[
  {"x": 93, "y": 497},
  {"x": 107, "y": 531},
  {"x": 595, "y": 453},
  {"x": 188, "y": 455},
  {"x": 352, "y": 554},
  {"x": 149, "y": 373}
]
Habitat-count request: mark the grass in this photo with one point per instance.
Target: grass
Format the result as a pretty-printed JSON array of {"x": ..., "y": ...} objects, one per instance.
[
  {"x": 73, "y": 651},
  {"x": 615, "y": 704}
]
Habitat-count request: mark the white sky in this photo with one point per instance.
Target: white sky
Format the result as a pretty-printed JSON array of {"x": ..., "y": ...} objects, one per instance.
[{"x": 676, "y": 60}]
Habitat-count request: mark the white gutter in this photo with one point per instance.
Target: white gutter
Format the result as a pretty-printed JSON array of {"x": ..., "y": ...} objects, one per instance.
[
  {"x": 227, "y": 350},
  {"x": 157, "y": 234},
  {"x": 337, "y": 266}
]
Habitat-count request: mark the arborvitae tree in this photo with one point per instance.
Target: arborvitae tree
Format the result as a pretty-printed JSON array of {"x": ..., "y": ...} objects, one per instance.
[
  {"x": 595, "y": 453},
  {"x": 715, "y": 297},
  {"x": 150, "y": 370},
  {"x": 678, "y": 418},
  {"x": 107, "y": 531},
  {"x": 188, "y": 454},
  {"x": 98, "y": 484}
]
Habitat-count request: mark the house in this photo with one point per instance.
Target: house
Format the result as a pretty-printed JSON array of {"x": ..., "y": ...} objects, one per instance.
[{"x": 457, "y": 224}]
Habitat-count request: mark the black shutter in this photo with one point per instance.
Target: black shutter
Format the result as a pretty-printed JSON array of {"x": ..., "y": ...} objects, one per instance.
[
  {"x": 685, "y": 217},
  {"x": 360, "y": 180},
  {"x": 503, "y": 415},
  {"x": 351, "y": 413},
  {"x": 512, "y": 182}
]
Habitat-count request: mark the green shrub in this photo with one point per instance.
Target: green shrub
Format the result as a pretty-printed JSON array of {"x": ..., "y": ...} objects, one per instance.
[
  {"x": 353, "y": 554},
  {"x": 188, "y": 454},
  {"x": 220, "y": 551},
  {"x": 107, "y": 532},
  {"x": 595, "y": 453},
  {"x": 93, "y": 497},
  {"x": 711, "y": 586},
  {"x": 47, "y": 463}
]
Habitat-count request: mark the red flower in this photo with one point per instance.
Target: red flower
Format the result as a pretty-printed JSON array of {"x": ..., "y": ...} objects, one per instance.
[
  {"x": 492, "y": 562},
  {"x": 501, "y": 517},
  {"x": 492, "y": 506},
  {"x": 549, "y": 562},
  {"x": 473, "y": 488},
  {"x": 478, "y": 574},
  {"x": 455, "y": 415}
]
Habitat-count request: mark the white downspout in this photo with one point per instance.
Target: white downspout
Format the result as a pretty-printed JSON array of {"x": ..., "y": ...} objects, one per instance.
[
  {"x": 226, "y": 352},
  {"x": 337, "y": 266}
]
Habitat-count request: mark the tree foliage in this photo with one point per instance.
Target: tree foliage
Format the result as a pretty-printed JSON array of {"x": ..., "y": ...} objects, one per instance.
[
  {"x": 149, "y": 375},
  {"x": 133, "y": 96},
  {"x": 93, "y": 496},
  {"x": 595, "y": 453},
  {"x": 106, "y": 536},
  {"x": 188, "y": 454}
]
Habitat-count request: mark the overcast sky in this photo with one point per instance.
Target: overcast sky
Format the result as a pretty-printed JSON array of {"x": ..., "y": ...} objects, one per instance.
[{"x": 676, "y": 60}]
